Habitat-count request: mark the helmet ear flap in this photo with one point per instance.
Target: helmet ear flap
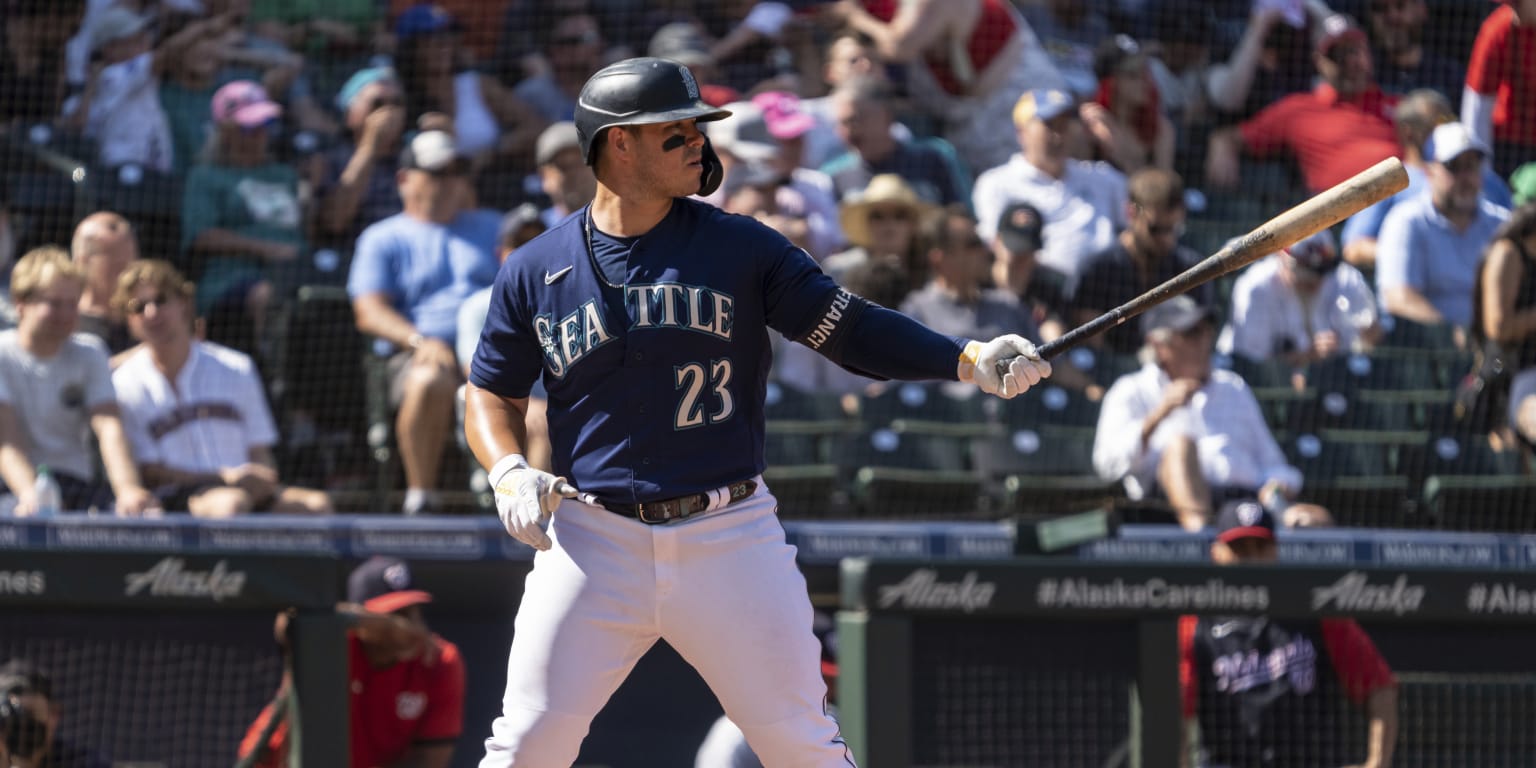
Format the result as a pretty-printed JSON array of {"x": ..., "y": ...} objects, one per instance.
[{"x": 713, "y": 171}]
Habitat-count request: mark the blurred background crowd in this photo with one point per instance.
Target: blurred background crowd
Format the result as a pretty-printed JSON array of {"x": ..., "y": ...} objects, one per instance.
[{"x": 276, "y": 221}]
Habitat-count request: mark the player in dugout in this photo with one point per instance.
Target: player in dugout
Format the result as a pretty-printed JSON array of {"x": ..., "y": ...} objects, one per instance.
[
  {"x": 1275, "y": 694},
  {"x": 646, "y": 316}
]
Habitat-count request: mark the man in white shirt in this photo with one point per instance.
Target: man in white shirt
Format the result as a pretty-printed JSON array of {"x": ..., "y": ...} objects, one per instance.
[
  {"x": 1082, "y": 203},
  {"x": 1182, "y": 430},
  {"x": 194, "y": 411},
  {"x": 1301, "y": 304}
]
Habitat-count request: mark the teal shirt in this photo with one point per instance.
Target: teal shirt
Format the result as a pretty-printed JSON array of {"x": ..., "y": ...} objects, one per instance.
[
  {"x": 189, "y": 114},
  {"x": 260, "y": 202}
]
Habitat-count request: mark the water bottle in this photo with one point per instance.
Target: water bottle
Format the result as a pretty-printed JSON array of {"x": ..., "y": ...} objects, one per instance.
[{"x": 45, "y": 489}]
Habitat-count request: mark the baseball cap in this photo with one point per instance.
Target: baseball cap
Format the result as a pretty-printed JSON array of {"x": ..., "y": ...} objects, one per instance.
[
  {"x": 1522, "y": 182},
  {"x": 1317, "y": 252},
  {"x": 1112, "y": 54},
  {"x": 430, "y": 151},
  {"x": 1042, "y": 103},
  {"x": 115, "y": 22},
  {"x": 424, "y": 19},
  {"x": 383, "y": 585},
  {"x": 525, "y": 215},
  {"x": 555, "y": 139},
  {"x": 358, "y": 81},
  {"x": 244, "y": 103},
  {"x": 1244, "y": 519},
  {"x": 1449, "y": 141},
  {"x": 783, "y": 115},
  {"x": 1178, "y": 314},
  {"x": 682, "y": 42},
  {"x": 1336, "y": 29},
  {"x": 1019, "y": 228}
]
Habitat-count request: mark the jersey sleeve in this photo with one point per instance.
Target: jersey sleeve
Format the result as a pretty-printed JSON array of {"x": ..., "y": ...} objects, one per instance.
[
  {"x": 444, "y": 718},
  {"x": 508, "y": 359},
  {"x": 1189, "y": 694},
  {"x": 1360, "y": 667}
]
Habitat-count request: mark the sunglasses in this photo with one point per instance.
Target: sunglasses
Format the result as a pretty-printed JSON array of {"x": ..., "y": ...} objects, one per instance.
[
  {"x": 889, "y": 216},
  {"x": 137, "y": 306}
]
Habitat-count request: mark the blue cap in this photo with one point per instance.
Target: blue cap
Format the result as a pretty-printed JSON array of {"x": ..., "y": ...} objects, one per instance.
[
  {"x": 424, "y": 19},
  {"x": 1244, "y": 519},
  {"x": 358, "y": 81},
  {"x": 1042, "y": 103}
]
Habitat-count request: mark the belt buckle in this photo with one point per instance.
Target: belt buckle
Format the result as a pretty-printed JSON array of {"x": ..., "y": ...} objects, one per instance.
[{"x": 640, "y": 512}]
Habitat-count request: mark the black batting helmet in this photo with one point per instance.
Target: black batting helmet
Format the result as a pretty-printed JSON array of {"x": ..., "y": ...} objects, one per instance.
[{"x": 640, "y": 91}]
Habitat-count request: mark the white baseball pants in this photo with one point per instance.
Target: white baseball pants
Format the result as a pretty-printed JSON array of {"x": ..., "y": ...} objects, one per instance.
[{"x": 722, "y": 588}]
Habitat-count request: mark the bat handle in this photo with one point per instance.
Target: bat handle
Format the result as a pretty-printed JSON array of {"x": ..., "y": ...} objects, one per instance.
[{"x": 1047, "y": 351}]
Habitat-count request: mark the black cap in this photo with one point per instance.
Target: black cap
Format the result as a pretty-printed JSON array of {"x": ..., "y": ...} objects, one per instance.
[
  {"x": 22, "y": 676},
  {"x": 1178, "y": 314},
  {"x": 1113, "y": 52},
  {"x": 1244, "y": 519},
  {"x": 1019, "y": 228},
  {"x": 383, "y": 585},
  {"x": 525, "y": 215}
]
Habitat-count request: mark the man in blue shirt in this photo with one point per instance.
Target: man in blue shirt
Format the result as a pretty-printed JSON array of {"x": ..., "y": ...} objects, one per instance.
[
  {"x": 1430, "y": 246},
  {"x": 410, "y": 273}
]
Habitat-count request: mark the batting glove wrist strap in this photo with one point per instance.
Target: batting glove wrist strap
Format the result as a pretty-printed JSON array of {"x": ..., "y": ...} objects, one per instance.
[{"x": 506, "y": 464}]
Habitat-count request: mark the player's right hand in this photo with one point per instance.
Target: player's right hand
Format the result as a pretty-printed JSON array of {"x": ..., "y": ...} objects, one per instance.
[
  {"x": 1025, "y": 367},
  {"x": 525, "y": 498}
]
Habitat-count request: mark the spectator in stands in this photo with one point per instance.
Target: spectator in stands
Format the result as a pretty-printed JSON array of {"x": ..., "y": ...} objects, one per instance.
[
  {"x": 848, "y": 56},
  {"x": 407, "y": 682},
  {"x": 1415, "y": 117},
  {"x": 487, "y": 120},
  {"x": 1269, "y": 61},
  {"x": 753, "y": 45},
  {"x": 241, "y": 221},
  {"x": 688, "y": 43},
  {"x": 564, "y": 175},
  {"x": 1340, "y": 128},
  {"x": 359, "y": 186},
  {"x": 1301, "y": 305},
  {"x": 862, "y": 112},
  {"x": 9, "y": 239},
  {"x": 1498, "y": 103},
  {"x": 55, "y": 391},
  {"x": 573, "y": 51},
  {"x": 1016, "y": 269},
  {"x": 1124, "y": 118},
  {"x": 1505, "y": 304},
  {"x": 1430, "y": 245},
  {"x": 1267, "y": 691},
  {"x": 409, "y": 275},
  {"x": 30, "y": 690},
  {"x": 196, "y": 412},
  {"x": 32, "y": 60},
  {"x": 1179, "y": 429},
  {"x": 1069, "y": 31},
  {"x": 520, "y": 225},
  {"x": 955, "y": 300},
  {"x": 882, "y": 223},
  {"x": 968, "y": 62},
  {"x": 758, "y": 191},
  {"x": 1405, "y": 62},
  {"x": 1145, "y": 254},
  {"x": 1082, "y": 203},
  {"x": 120, "y": 107},
  {"x": 103, "y": 246},
  {"x": 186, "y": 96},
  {"x": 477, "y": 21}
]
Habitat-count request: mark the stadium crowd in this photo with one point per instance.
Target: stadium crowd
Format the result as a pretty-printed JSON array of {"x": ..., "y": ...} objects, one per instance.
[{"x": 250, "y": 191}]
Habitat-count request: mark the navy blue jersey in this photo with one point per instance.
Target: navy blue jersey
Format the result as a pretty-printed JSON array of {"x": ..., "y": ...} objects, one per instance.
[{"x": 656, "y": 386}]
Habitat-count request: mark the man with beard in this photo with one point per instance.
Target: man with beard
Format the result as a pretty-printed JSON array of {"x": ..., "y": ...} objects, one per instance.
[
  {"x": 1430, "y": 246},
  {"x": 1404, "y": 62}
]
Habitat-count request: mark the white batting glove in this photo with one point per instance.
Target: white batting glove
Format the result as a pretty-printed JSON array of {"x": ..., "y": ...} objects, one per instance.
[
  {"x": 978, "y": 365},
  {"x": 525, "y": 498}
]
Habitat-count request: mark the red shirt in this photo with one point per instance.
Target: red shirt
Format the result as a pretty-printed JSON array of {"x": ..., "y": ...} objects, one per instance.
[
  {"x": 1503, "y": 64},
  {"x": 1333, "y": 138},
  {"x": 413, "y": 702},
  {"x": 1356, "y": 661},
  {"x": 992, "y": 31}
]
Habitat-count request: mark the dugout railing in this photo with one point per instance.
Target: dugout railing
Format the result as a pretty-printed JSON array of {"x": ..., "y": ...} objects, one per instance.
[
  {"x": 161, "y": 657},
  {"x": 1054, "y": 662}
]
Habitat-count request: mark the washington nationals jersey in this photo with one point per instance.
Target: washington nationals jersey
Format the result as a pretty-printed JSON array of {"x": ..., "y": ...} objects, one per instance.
[{"x": 656, "y": 384}]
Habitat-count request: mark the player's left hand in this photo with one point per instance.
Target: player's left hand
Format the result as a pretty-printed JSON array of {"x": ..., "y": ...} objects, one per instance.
[
  {"x": 1025, "y": 367},
  {"x": 525, "y": 499}
]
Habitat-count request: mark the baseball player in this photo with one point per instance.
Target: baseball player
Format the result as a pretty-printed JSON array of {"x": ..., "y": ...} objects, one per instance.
[{"x": 646, "y": 314}]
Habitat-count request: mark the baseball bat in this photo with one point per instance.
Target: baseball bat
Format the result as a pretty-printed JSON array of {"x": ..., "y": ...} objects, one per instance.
[{"x": 1318, "y": 212}]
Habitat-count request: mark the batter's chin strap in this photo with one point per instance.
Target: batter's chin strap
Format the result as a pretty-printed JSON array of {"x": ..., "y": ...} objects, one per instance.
[{"x": 713, "y": 172}]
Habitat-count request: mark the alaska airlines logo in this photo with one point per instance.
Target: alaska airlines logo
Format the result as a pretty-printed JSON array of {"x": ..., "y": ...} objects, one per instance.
[
  {"x": 674, "y": 305},
  {"x": 170, "y": 578},
  {"x": 923, "y": 590},
  {"x": 1354, "y": 592}
]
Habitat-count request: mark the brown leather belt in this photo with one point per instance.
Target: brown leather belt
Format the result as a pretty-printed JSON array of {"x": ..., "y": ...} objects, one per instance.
[{"x": 658, "y": 512}]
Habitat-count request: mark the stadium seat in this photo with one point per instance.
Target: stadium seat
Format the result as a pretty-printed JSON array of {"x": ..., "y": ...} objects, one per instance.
[
  {"x": 1480, "y": 502},
  {"x": 1325, "y": 456},
  {"x": 1349, "y": 473},
  {"x": 925, "y": 407},
  {"x": 1348, "y": 410},
  {"x": 801, "y": 428},
  {"x": 911, "y": 474},
  {"x": 1355, "y": 371},
  {"x": 1458, "y": 453},
  {"x": 1049, "y": 405},
  {"x": 317, "y": 384},
  {"x": 1262, "y": 374}
]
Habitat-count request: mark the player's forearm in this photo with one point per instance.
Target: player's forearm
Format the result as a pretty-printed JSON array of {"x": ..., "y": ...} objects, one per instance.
[
  {"x": 891, "y": 345},
  {"x": 494, "y": 425},
  {"x": 1382, "y": 739}
]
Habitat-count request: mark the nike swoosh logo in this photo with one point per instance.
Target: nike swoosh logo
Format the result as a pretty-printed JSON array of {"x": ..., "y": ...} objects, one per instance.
[{"x": 551, "y": 277}]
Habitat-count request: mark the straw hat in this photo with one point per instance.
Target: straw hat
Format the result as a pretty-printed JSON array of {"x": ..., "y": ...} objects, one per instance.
[{"x": 884, "y": 190}]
